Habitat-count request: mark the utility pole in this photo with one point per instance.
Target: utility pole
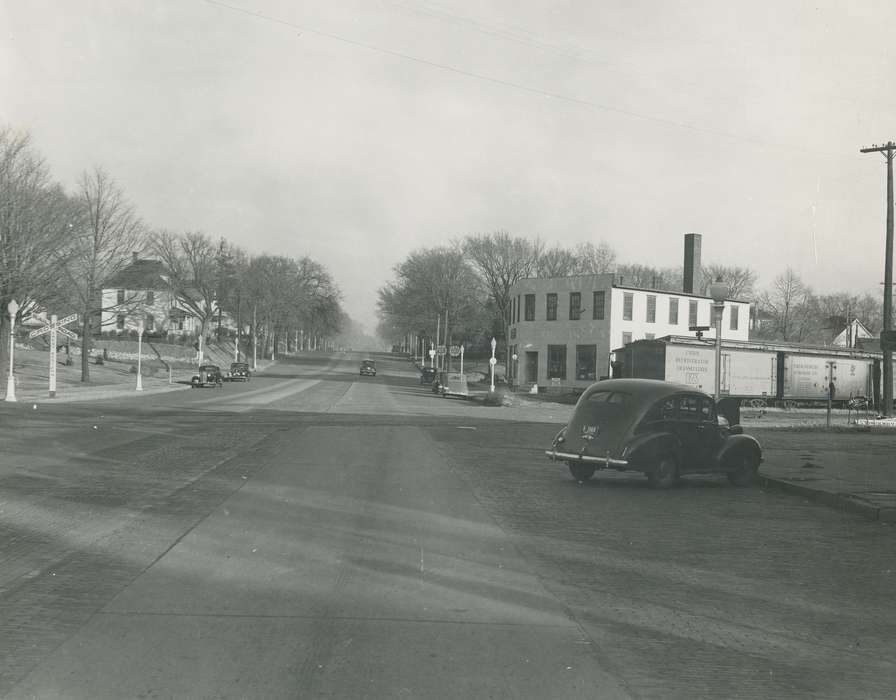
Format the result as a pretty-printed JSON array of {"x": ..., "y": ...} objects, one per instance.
[{"x": 888, "y": 150}]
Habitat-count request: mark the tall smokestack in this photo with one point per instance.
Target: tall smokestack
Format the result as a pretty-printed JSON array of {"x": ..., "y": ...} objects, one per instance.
[{"x": 692, "y": 274}]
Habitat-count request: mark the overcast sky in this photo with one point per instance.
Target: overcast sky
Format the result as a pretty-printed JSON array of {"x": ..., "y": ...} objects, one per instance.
[{"x": 355, "y": 132}]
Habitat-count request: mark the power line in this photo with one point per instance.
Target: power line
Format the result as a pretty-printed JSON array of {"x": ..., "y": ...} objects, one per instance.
[{"x": 521, "y": 87}]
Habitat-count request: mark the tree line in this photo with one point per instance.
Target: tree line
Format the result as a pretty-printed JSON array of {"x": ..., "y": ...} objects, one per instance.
[
  {"x": 57, "y": 248},
  {"x": 469, "y": 281}
]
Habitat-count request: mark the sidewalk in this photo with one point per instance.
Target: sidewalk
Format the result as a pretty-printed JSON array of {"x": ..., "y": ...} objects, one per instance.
[
  {"x": 119, "y": 384},
  {"x": 853, "y": 471}
]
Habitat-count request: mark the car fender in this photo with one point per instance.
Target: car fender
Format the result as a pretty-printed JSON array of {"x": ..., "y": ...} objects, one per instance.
[
  {"x": 735, "y": 444},
  {"x": 644, "y": 449}
]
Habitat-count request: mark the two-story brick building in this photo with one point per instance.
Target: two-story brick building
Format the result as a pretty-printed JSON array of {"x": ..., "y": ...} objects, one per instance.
[{"x": 564, "y": 329}]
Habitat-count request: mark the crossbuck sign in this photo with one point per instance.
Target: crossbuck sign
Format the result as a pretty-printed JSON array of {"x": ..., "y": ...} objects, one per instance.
[{"x": 54, "y": 327}]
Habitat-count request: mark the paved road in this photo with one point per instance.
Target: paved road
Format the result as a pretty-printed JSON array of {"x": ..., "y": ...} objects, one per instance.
[{"x": 315, "y": 534}]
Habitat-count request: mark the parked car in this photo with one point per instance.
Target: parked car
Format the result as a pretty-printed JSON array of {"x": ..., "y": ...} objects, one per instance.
[
  {"x": 451, "y": 384},
  {"x": 659, "y": 428},
  {"x": 239, "y": 372},
  {"x": 427, "y": 375},
  {"x": 368, "y": 368},
  {"x": 208, "y": 375}
]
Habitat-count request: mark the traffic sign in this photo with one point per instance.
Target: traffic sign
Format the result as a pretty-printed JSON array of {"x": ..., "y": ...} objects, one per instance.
[
  {"x": 442, "y": 350},
  {"x": 454, "y": 350},
  {"x": 492, "y": 361}
]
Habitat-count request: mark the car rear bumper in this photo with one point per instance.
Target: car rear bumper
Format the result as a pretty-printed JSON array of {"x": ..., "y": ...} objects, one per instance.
[{"x": 605, "y": 461}]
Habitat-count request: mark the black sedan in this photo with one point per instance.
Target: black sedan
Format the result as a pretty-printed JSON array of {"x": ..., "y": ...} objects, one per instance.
[
  {"x": 239, "y": 372},
  {"x": 207, "y": 375},
  {"x": 659, "y": 428}
]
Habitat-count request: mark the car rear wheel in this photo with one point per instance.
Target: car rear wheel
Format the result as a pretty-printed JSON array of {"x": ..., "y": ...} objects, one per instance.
[
  {"x": 744, "y": 469},
  {"x": 664, "y": 473},
  {"x": 580, "y": 472}
]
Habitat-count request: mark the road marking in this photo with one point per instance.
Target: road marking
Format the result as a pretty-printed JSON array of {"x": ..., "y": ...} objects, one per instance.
[{"x": 466, "y": 427}]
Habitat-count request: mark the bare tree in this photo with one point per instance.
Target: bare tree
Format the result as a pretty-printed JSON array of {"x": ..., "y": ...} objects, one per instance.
[
  {"x": 557, "y": 262},
  {"x": 34, "y": 218},
  {"x": 741, "y": 281},
  {"x": 502, "y": 261},
  {"x": 191, "y": 263},
  {"x": 107, "y": 232},
  {"x": 594, "y": 259},
  {"x": 787, "y": 306}
]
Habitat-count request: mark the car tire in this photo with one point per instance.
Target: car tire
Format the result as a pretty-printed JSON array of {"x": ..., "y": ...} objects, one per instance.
[
  {"x": 581, "y": 472},
  {"x": 745, "y": 468},
  {"x": 664, "y": 473}
]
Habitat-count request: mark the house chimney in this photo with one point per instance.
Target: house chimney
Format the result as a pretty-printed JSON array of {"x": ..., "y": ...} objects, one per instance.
[
  {"x": 136, "y": 256},
  {"x": 692, "y": 274}
]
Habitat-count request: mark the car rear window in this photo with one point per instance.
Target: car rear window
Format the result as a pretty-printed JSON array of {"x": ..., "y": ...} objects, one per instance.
[{"x": 615, "y": 397}]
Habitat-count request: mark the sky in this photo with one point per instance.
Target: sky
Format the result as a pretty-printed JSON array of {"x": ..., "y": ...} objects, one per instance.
[{"x": 356, "y": 132}]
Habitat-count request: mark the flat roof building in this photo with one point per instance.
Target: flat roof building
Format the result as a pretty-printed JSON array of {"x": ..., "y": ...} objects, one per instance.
[{"x": 563, "y": 329}]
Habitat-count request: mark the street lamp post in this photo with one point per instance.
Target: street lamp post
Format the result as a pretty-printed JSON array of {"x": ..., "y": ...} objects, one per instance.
[
  {"x": 13, "y": 309},
  {"x": 718, "y": 290},
  {"x": 492, "y": 361},
  {"x": 139, "y": 355}
]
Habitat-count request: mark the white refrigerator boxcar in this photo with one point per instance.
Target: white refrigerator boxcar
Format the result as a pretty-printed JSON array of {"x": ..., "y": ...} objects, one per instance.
[{"x": 746, "y": 373}]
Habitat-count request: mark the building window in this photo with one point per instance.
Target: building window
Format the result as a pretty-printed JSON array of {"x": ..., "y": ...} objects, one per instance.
[
  {"x": 628, "y": 302},
  {"x": 692, "y": 312},
  {"x": 150, "y": 322},
  {"x": 119, "y": 322},
  {"x": 626, "y": 338},
  {"x": 597, "y": 300},
  {"x": 651, "y": 308},
  {"x": 530, "y": 307},
  {"x": 586, "y": 362},
  {"x": 513, "y": 333},
  {"x": 150, "y": 297},
  {"x": 673, "y": 311},
  {"x": 733, "y": 317},
  {"x": 552, "y": 307},
  {"x": 575, "y": 306},
  {"x": 649, "y": 336},
  {"x": 121, "y": 296},
  {"x": 518, "y": 308},
  {"x": 556, "y": 361}
]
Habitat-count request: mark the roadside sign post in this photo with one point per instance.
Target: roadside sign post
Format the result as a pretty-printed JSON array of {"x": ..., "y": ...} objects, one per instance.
[
  {"x": 139, "y": 356},
  {"x": 13, "y": 309},
  {"x": 432, "y": 357},
  {"x": 461, "y": 359},
  {"x": 54, "y": 327}
]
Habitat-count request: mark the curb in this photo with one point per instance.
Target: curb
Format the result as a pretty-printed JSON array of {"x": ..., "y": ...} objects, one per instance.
[{"x": 846, "y": 502}]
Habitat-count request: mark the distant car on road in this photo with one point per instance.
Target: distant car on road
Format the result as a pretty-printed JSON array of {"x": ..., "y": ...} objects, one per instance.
[
  {"x": 368, "y": 368},
  {"x": 659, "y": 428},
  {"x": 451, "y": 384},
  {"x": 427, "y": 375},
  {"x": 239, "y": 372},
  {"x": 207, "y": 375}
]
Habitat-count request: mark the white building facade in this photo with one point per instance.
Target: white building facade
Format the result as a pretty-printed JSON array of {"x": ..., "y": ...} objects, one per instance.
[{"x": 563, "y": 330}]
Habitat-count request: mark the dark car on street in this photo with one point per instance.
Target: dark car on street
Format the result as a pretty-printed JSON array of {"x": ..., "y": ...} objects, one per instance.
[
  {"x": 427, "y": 375},
  {"x": 239, "y": 372},
  {"x": 661, "y": 429},
  {"x": 207, "y": 375},
  {"x": 368, "y": 368}
]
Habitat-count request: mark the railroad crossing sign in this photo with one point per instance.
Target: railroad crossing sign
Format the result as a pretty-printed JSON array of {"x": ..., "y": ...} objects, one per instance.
[{"x": 53, "y": 328}]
